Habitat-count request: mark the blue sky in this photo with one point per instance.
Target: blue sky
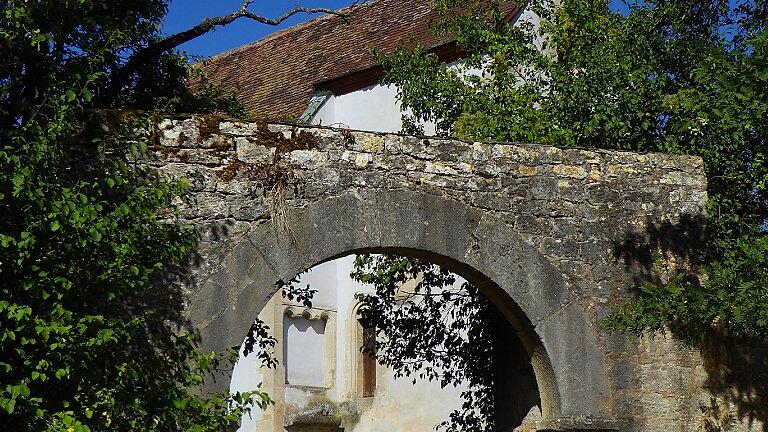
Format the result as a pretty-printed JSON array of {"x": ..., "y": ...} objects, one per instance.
[
  {"x": 184, "y": 14},
  {"x": 187, "y": 13}
]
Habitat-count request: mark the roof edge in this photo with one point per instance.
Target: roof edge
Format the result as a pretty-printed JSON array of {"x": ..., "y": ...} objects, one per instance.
[
  {"x": 351, "y": 8},
  {"x": 447, "y": 52}
]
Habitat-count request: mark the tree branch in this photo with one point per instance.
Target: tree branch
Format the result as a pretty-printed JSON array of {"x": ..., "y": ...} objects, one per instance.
[
  {"x": 142, "y": 56},
  {"x": 209, "y": 24}
]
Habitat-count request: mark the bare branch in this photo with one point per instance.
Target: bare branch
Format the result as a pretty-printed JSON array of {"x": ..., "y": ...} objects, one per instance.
[
  {"x": 210, "y": 24},
  {"x": 144, "y": 55}
]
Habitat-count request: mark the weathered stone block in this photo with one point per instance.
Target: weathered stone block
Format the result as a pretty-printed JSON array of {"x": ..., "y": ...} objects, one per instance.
[{"x": 251, "y": 151}]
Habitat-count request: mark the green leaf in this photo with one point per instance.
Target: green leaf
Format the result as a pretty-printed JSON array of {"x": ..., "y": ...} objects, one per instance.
[
  {"x": 8, "y": 405},
  {"x": 94, "y": 234}
]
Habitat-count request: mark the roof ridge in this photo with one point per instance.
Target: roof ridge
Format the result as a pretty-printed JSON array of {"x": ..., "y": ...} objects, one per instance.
[{"x": 351, "y": 8}]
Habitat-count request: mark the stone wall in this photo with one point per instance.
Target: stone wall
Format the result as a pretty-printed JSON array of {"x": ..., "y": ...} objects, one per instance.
[{"x": 554, "y": 236}]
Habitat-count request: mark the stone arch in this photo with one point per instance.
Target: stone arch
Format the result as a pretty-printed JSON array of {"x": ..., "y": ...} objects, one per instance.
[{"x": 481, "y": 246}]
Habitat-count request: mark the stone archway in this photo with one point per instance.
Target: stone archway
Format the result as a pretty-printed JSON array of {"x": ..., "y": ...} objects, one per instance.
[
  {"x": 535, "y": 227},
  {"x": 520, "y": 281}
]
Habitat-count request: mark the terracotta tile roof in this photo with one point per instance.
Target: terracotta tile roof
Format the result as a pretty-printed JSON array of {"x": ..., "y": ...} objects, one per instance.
[{"x": 275, "y": 77}]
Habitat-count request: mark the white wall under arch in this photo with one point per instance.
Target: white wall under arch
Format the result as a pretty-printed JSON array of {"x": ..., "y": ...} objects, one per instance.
[{"x": 398, "y": 404}]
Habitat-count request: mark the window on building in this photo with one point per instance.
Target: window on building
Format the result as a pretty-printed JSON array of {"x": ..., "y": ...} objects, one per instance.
[
  {"x": 367, "y": 362},
  {"x": 304, "y": 351}
]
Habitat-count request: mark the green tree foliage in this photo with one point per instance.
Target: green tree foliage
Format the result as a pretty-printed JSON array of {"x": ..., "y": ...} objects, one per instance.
[
  {"x": 91, "y": 329},
  {"x": 437, "y": 331},
  {"x": 682, "y": 77},
  {"x": 432, "y": 325}
]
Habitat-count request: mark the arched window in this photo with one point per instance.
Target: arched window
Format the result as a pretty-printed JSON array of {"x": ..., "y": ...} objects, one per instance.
[
  {"x": 367, "y": 363},
  {"x": 364, "y": 363}
]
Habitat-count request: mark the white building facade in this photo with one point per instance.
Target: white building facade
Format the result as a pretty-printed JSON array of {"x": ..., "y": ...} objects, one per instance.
[{"x": 324, "y": 382}]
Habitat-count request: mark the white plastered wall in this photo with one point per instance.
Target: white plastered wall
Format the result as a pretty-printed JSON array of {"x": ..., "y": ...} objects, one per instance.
[
  {"x": 398, "y": 404},
  {"x": 373, "y": 108}
]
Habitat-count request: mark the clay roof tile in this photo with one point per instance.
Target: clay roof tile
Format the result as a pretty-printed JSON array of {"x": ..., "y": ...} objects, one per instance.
[{"x": 274, "y": 77}]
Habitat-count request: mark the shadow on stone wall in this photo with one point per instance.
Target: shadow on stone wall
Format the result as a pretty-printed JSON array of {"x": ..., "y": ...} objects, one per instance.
[
  {"x": 191, "y": 274},
  {"x": 734, "y": 391},
  {"x": 737, "y": 378},
  {"x": 641, "y": 251}
]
